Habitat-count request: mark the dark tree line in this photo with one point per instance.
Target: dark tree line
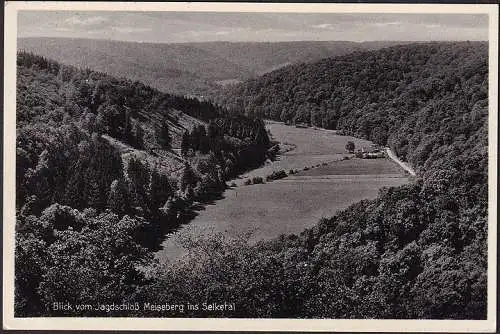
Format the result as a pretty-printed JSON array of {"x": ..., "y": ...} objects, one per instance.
[{"x": 238, "y": 143}]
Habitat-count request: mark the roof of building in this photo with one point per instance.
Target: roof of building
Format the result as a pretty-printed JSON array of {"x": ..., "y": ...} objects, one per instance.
[{"x": 370, "y": 149}]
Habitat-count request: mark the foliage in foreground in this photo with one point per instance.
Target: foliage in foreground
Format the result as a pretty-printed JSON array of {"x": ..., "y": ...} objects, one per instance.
[{"x": 404, "y": 255}]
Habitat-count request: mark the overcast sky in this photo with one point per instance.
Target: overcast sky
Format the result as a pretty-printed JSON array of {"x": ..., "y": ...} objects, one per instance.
[{"x": 201, "y": 27}]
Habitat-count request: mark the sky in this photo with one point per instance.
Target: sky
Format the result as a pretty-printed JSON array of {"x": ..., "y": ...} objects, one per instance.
[{"x": 175, "y": 27}]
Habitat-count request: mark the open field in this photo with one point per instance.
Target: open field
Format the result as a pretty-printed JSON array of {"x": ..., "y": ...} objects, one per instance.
[
  {"x": 312, "y": 141},
  {"x": 311, "y": 147},
  {"x": 294, "y": 203},
  {"x": 355, "y": 166}
]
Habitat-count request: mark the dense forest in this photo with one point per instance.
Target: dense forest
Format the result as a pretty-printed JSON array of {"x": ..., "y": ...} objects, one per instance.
[
  {"x": 96, "y": 159},
  {"x": 416, "y": 251},
  {"x": 380, "y": 95}
]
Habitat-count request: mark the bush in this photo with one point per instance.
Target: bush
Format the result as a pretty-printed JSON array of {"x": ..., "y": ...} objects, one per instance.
[
  {"x": 291, "y": 172},
  {"x": 349, "y": 147},
  {"x": 257, "y": 180},
  {"x": 276, "y": 175},
  {"x": 248, "y": 182},
  {"x": 232, "y": 185}
]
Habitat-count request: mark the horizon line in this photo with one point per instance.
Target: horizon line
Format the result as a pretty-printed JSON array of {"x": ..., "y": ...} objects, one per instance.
[{"x": 243, "y": 41}]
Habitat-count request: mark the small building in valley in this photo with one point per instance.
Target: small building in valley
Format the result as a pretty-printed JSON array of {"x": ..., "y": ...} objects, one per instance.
[{"x": 371, "y": 152}]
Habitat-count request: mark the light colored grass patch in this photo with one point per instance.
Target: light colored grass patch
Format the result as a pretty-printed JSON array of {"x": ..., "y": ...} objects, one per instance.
[{"x": 298, "y": 201}]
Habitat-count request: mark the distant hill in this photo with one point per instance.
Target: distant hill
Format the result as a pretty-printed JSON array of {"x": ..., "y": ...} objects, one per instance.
[
  {"x": 187, "y": 68},
  {"x": 262, "y": 57}
]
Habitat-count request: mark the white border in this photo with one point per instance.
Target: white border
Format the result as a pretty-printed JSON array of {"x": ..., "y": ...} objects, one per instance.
[{"x": 9, "y": 322}]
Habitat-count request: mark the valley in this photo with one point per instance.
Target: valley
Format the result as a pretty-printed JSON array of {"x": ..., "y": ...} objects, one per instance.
[
  {"x": 290, "y": 205},
  {"x": 114, "y": 176}
]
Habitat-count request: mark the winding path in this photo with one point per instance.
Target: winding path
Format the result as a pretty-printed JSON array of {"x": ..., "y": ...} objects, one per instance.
[{"x": 403, "y": 164}]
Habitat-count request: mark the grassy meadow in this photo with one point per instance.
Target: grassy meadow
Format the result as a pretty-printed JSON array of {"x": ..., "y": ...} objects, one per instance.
[{"x": 294, "y": 203}]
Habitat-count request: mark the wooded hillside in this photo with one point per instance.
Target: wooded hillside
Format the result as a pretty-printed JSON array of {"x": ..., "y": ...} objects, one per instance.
[
  {"x": 393, "y": 96},
  {"x": 96, "y": 172}
]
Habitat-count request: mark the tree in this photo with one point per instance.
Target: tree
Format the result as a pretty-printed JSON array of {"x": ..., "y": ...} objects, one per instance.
[
  {"x": 189, "y": 192},
  {"x": 167, "y": 209},
  {"x": 138, "y": 181},
  {"x": 93, "y": 191},
  {"x": 349, "y": 147},
  {"x": 100, "y": 262},
  {"x": 188, "y": 177},
  {"x": 203, "y": 139},
  {"x": 185, "y": 144},
  {"x": 163, "y": 135},
  {"x": 195, "y": 138},
  {"x": 30, "y": 260},
  {"x": 159, "y": 191},
  {"x": 118, "y": 199},
  {"x": 138, "y": 135}
]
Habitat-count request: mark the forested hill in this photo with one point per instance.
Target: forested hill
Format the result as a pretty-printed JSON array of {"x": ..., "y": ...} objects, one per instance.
[
  {"x": 186, "y": 68},
  {"x": 416, "y": 252},
  {"x": 396, "y": 96},
  {"x": 97, "y": 171},
  {"x": 63, "y": 113}
]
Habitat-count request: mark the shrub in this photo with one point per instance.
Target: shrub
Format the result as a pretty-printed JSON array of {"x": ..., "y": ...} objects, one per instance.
[
  {"x": 257, "y": 180},
  {"x": 276, "y": 175},
  {"x": 349, "y": 147},
  {"x": 248, "y": 182}
]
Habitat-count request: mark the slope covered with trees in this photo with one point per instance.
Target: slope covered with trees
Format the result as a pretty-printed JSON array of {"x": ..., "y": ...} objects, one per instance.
[
  {"x": 98, "y": 177},
  {"x": 379, "y": 95}
]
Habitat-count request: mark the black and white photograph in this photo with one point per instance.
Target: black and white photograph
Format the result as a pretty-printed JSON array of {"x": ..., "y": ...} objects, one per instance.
[{"x": 180, "y": 161}]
